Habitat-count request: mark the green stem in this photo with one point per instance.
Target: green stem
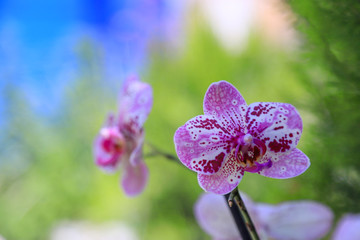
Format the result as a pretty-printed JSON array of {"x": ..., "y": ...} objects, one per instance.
[{"x": 156, "y": 152}]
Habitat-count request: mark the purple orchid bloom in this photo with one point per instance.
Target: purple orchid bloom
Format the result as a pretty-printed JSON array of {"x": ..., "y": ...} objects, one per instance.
[
  {"x": 232, "y": 137},
  {"x": 348, "y": 228},
  {"x": 120, "y": 141},
  {"x": 296, "y": 220}
]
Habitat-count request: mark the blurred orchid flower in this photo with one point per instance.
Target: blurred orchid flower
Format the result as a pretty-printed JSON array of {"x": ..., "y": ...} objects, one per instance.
[
  {"x": 296, "y": 220},
  {"x": 121, "y": 139},
  {"x": 232, "y": 137},
  {"x": 348, "y": 228}
]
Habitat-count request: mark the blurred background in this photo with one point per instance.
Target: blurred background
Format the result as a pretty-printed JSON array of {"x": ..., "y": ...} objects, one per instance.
[{"x": 62, "y": 64}]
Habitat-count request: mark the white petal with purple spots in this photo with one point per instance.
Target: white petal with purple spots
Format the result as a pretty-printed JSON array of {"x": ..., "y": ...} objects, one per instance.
[
  {"x": 224, "y": 102},
  {"x": 278, "y": 125},
  {"x": 287, "y": 166},
  {"x": 225, "y": 180},
  {"x": 201, "y": 144}
]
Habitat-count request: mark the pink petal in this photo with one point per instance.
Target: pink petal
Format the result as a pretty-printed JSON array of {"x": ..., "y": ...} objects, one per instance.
[
  {"x": 225, "y": 180},
  {"x": 135, "y": 104},
  {"x": 135, "y": 179},
  {"x": 215, "y": 218},
  {"x": 278, "y": 125},
  {"x": 136, "y": 156},
  {"x": 201, "y": 144},
  {"x": 224, "y": 102},
  {"x": 287, "y": 166},
  {"x": 297, "y": 220},
  {"x": 264, "y": 212},
  {"x": 348, "y": 228}
]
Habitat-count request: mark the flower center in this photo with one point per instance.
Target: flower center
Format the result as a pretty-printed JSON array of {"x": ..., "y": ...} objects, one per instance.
[
  {"x": 113, "y": 141},
  {"x": 249, "y": 151}
]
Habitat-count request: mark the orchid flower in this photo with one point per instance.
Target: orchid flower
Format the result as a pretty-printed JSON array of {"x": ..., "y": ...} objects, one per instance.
[
  {"x": 120, "y": 141},
  {"x": 232, "y": 137},
  {"x": 348, "y": 228},
  {"x": 296, "y": 220}
]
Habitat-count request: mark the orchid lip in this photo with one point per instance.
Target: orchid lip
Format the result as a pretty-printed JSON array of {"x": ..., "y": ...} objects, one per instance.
[
  {"x": 113, "y": 141},
  {"x": 259, "y": 166}
]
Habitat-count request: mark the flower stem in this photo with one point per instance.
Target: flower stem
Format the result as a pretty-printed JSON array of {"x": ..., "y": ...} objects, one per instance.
[
  {"x": 235, "y": 195},
  {"x": 239, "y": 221},
  {"x": 155, "y": 152}
]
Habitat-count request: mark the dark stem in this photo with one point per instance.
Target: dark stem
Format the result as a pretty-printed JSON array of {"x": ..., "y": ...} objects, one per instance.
[
  {"x": 156, "y": 152},
  {"x": 244, "y": 213},
  {"x": 239, "y": 221}
]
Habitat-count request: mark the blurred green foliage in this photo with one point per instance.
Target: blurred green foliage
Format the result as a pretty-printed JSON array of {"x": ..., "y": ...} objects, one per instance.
[
  {"x": 330, "y": 63},
  {"x": 47, "y": 173}
]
